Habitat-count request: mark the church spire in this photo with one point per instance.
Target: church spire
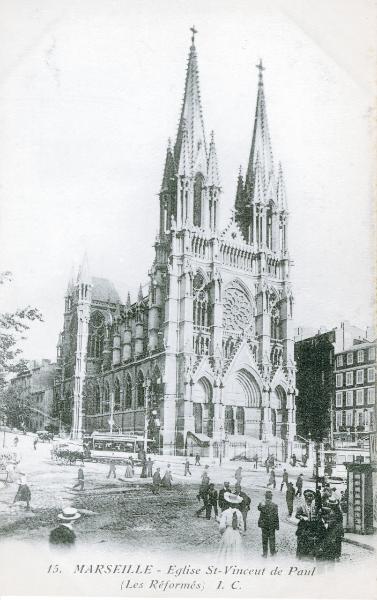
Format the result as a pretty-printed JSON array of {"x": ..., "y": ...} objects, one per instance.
[
  {"x": 83, "y": 275},
  {"x": 261, "y": 143},
  {"x": 169, "y": 170},
  {"x": 213, "y": 178},
  {"x": 191, "y": 118}
]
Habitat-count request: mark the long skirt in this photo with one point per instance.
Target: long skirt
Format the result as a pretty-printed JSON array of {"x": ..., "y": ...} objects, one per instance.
[
  {"x": 230, "y": 548},
  {"x": 23, "y": 494},
  {"x": 128, "y": 472}
]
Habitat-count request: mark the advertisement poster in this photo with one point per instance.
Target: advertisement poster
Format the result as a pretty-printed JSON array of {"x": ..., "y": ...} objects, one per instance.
[{"x": 187, "y": 342}]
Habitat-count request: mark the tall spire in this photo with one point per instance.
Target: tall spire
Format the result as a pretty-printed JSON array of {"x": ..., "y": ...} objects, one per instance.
[
  {"x": 169, "y": 170},
  {"x": 213, "y": 178},
  {"x": 140, "y": 297},
  {"x": 192, "y": 118},
  {"x": 261, "y": 143},
  {"x": 84, "y": 272}
]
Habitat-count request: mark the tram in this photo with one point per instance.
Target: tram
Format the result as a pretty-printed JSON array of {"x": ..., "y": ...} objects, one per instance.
[
  {"x": 106, "y": 446},
  {"x": 332, "y": 462}
]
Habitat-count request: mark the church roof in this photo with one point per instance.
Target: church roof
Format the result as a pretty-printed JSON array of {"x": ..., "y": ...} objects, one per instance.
[{"x": 104, "y": 290}]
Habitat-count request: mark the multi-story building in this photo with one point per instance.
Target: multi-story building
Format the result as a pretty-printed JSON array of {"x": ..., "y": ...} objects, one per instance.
[
  {"x": 355, "y": 391},
  {"x": 207, "y": 345},
  {"x": 36, "y": 384}
]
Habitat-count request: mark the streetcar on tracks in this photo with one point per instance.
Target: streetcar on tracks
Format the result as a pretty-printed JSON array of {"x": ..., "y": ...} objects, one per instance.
[{"x": 106, "y": 446}]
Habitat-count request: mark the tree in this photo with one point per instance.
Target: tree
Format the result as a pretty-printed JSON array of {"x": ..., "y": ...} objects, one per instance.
[
  {"x": 18, "y": 405},
  {"x": 13, "y": 326}
]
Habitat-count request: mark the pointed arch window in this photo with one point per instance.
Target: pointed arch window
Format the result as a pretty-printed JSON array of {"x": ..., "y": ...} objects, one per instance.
[
  {"x": 106, "y": 398},
  {"x": 96, "y": 335},
  {"x": 97, "y": 399},
  {"x": 116, "y": 395},
  {"x": 198, "y": 417},
  {"x": 198, "y": 190},
  {"x": 229, "y": 420},
  {"x": 128, "y": 392},
  {"x": 275, "y": 324},
  {"x": 140, "y": 389}
]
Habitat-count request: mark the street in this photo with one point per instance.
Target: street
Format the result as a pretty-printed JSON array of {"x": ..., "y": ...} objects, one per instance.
[{"x": 125, "y": 513}]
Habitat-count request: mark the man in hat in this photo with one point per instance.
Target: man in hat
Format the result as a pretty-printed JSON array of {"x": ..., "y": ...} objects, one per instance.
[
  {"x": 223, "y": 505},
  {"x": 289, "y": 497},
  {"x": 244, "y": 506},
  {"x": 203, "y": 495},
  {"x": 211, "y": 501},
  {"x": 268, "y": 522},
  {"x": 308, "y": 529},
  {"x": 156, "y": 481},
  {"x": 63, "y": 534},
  {"x": 285, "y": 480},
  {"x": 187, "y": 467},
  {"x": 299, "y": 484},
  {"x": 80, "y": 480}
]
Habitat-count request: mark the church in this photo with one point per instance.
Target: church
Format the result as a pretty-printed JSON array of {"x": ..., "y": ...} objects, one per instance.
[{"x": 204, "y": 361}]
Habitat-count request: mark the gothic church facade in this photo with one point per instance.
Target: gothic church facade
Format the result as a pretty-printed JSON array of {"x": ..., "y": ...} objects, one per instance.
[{"x": 207, "y": 354}]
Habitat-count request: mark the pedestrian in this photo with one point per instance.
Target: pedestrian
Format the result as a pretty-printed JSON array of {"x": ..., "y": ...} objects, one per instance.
[
  {"x": 205, "y": 473},
  {"x": 129, "y": 470},
  {"x": 271, "y": 461},
  {"x": 256, "y": 458},
  {"x": 284, "y": 480},
  {"x": 63, "y": 534},
  {"x": 197, "y": 460},
  {"x": 299, "y": 484},
  {"x": 222, "y": 502},
  {"x": 272, "y": 479},
  {"x": 293, "y": 460},
  {"x": 112, "y": 470},
  {"x": 331, "y": 544},
  {"x": 167, "y": 478},
  {"x": 304, "y": 460},
  {"x": 231, "y": 525},
  {"x": 80, "y": 480},
  {"x": 289, "y": 497},
  {"x": 149, "y": 467},
  {"x": 187, "y": 467},
  {"x": 143, "y": 474},
  {"x": 130, "y": 458},
  {"x": 267, "y": 465},
  {"x": 156, "y": 481},
  {"x": 238, "y": 475},
  {"x": 15, "y": 441},
  {"x": 269, "y": 523},
  {"x": 244, "y": 507},
  {"x": 203, "y": 495},
  {"x": 23, "y": 493},
  {"x": 309, "y": 527},
  {"x": 11, "y": 473},
  {"x": 211, "y": 501},
  {"x": 35, "y": 442}
]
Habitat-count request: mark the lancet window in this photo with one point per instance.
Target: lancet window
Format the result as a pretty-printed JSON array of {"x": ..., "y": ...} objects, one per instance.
[
  {"x": 128, "y": 392},
  {"x": 96, "y": 335}
]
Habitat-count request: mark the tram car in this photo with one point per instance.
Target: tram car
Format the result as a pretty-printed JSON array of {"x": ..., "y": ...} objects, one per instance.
[{"x": 106, "y": 446}]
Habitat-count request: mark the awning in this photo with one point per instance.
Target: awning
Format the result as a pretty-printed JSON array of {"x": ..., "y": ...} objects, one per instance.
[{"x": 198, "y": 438}]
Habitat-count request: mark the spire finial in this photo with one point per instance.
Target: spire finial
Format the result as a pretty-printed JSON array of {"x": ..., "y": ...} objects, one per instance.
[
  {"x": 260, "y": 68},
  {"x": 194, "y": 31}
]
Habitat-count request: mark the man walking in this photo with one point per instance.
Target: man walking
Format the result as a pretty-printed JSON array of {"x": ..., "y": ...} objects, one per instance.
[
  {"x": 223, "y": 505},
  {"x": 112, "y": 470},
  {"x": 80, "y": 480},
  {"x": 272, "y": 478},
  {"x": 244, "y": 507},
  {"x": 156, "y": 481},
  {"x": 256, "y": 458},
  {"x": 289, "y": 497},
  {"x": 299, "y": 484},
  {"x": 211, "y": 501},
  {"x": 268, "y": 522},
  {"x": 187, "y": 467},
  {"x": 285, "y": 480},
  {"x": 203, "y": 495},
  {"x": 149, "y": 467},
  {"x": 197, "y": 460}
]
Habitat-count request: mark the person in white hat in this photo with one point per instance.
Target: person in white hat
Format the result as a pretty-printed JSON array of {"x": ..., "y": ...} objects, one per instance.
[
  {"x": 63, "y": 534},
  {"x": 231, "y": 525}
]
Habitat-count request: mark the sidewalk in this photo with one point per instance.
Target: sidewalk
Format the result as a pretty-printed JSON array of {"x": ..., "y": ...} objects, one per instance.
[{"x": 368, "y": 542}]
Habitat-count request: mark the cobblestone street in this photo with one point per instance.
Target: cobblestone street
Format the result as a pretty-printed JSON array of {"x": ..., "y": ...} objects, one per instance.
[{"x": 125, "y": 513}]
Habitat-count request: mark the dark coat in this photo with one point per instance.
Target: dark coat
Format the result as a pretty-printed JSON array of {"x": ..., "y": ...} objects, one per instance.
[
  {"x": 222, "y": 503},
  {"x": 212, "y": 497},
  {"x": 156, "y": 478},
  {"x": 269, "y": 516},
  {"x": 245, "y": 504},
  {"x": 62, "y": 535},
  {"x": 290, "y": 494}
]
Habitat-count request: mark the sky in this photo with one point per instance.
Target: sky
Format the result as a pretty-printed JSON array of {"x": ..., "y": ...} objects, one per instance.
[{"x": 91, "y": 91}]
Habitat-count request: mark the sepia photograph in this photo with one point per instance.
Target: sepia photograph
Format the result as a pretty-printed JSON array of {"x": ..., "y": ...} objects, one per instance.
[{"x": 187, "y": 318}]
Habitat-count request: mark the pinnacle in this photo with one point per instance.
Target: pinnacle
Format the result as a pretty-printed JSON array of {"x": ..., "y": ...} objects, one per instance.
[{"x": 140, "y": 296}]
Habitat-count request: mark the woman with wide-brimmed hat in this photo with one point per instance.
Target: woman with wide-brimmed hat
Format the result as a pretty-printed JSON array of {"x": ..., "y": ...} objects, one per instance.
[
  {"x": 63, "y": 534},
  {"x": 231, "y": 525},
  {"x": 309, "y": 528}
]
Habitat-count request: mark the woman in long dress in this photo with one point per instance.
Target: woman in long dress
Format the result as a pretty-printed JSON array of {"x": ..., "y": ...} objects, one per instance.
[
  {"x": 129, "y": 471},
  {"x": 231, "y": 525},
  {"x": 167, "y": 479}
]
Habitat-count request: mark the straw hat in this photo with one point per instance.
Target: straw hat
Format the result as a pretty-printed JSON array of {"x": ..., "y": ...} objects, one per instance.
[
  {"x": 232, "y": 498},
  {"x": 68, "y": 514}
]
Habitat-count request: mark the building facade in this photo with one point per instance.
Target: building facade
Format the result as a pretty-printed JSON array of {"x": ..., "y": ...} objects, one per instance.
[
  {"x": 206, "y": 351},
  {"x": 355, "y": 392}
]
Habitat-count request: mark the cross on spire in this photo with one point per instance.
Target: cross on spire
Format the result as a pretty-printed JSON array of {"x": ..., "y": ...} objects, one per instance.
[{"x": 194, "y": 31}]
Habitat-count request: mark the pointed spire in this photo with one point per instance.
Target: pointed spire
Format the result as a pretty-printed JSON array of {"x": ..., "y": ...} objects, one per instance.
[
  {"x": 281, "y": 197},
  {"x": 169, "y": 170},
  {"x": 128, "y": 301},
  {"x": 84, "y": 272},
  {"x": 258, "y": 187},
  {"x": 261, "y": 143},
  {"x": 212, "y": 169},
  {"x": 239, "y": 203},
  {"x": 192, "y": 118},
  {"x": 140, "y": 297},
  {"x": 184, "y": 159}
]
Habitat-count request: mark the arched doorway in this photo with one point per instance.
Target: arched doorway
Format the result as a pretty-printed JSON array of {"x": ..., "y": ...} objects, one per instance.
[{"x": 203, "y": 407}]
